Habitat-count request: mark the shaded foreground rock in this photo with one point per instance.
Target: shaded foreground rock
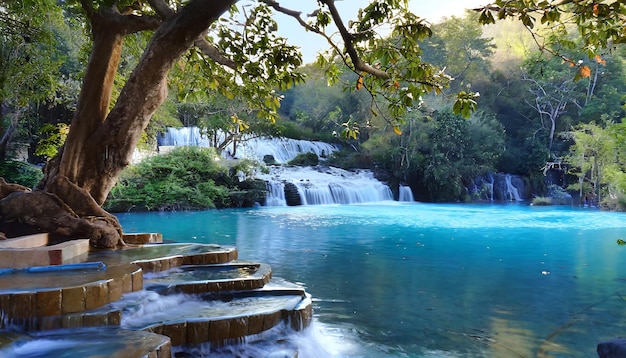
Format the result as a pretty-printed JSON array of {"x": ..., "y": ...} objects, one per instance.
[
  {"x": 164, "y": 294},
  {"x": 614, "y": 348}
]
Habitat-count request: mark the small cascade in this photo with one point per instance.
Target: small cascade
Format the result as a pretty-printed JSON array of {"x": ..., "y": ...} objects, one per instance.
[
  {"x": 328, "y": 185},
  {"x": 511, "y": 191},
  {"x": 342, "y": 193},
  {"x": 482, "y": 187},
  {"x": 185, "y": 136},
  {"x": 489, "y": 186},
  {"x": 497, "y": 187},
  {"x": 281, "y": 149},
  {"x": 405, "y": 194},
  {"x": 276, "y": 194}
]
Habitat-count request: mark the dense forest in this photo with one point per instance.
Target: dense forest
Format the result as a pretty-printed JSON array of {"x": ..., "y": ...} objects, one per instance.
[{"x": 533, "y": 108}]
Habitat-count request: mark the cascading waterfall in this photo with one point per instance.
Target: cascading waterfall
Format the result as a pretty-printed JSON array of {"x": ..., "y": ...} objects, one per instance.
[
  {"x": 281, "y": 149},
  {"x": 489, "y": 186},
  {"x": 275, "y": 194},
  {"x": 284, "y": 149},
  {"x": 314, "y": 186},
  {"x": 328, "y": 185},
  {"x": 511, "y": 191},
  {"x": 185, "y": 136},
  {"x": 497, "y": 187},
  {"x": 342, "y": 193},
  {"x": 405, "y": 194}
]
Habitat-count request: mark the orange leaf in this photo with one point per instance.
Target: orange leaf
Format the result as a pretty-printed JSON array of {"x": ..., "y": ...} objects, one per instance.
[
  {"x": 397, "y": 130},
  {"x": 585, "y": 71},
  {"x": 595, "y": 9},
  {"x": 359, "y": 83},
  {"x": 396, "y": 84},
  {"x": 600, "y": 60}
]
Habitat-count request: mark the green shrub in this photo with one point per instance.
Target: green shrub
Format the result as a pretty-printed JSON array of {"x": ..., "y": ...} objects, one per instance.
[
  {"x": 20, "y": 173},
  {"x": 541, "y": 201},
  {"x": 305, "y": 159},
  {"x": 614, "y": 204},
  {"x": 350, "y": 160},
  {"x": 187, "y": 178}
]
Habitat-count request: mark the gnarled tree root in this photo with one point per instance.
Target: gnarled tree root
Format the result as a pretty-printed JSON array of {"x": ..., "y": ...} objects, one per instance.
[{"x": 49, "y": 213}]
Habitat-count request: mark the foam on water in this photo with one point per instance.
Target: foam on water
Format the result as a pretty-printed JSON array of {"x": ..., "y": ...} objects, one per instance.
[
  {"x": 325, "y": 185},
  {"x": 317, "y": 341},
  {"x": 35, "y": 348},
  {"x": 144, "y": 308}
]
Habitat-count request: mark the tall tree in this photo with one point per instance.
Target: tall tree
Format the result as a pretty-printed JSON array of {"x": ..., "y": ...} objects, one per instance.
[
  {"x": 458, "y": 45},
  {"x": 593, "y": 153},
  {"x": 29, "y": 58}
]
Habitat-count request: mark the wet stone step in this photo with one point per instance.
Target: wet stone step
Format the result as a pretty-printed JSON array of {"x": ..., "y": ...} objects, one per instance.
[
  {"x": 218, "y": 318},
  {"x": 85, "y": 343},
  {"x": 234, "y": 276},
  {"x": 66, "y": 289},
  {"x": 161, "y": 257},
  {"x": 163, "y": 294}
]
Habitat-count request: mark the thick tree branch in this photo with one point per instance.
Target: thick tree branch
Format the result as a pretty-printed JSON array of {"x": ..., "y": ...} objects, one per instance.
[
  {"x": 208, "y": 49},
  {"x": 133, "y": 23},
  {"x": 87, "y": 6},
  {"x": 359, "y": 65},
  {"x": 297, "y": 16}
]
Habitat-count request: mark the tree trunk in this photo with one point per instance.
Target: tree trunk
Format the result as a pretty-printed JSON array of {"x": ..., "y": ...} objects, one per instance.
[
  {"x": 100, "y": 143},
  {"x": 5, "y": 140}
]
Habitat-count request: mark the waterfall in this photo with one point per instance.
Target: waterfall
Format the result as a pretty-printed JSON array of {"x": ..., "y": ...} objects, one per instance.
[
  {"x": 405, "y": 194},
  {"x": 275, "y": 194},
  {"x": 497, "y": 187},
  {"x": 511, "y": 191},
  {"x": 482, "y": 187},
  {"x": 185, "y": 136},
  {"x": 325, "y": 185},
  {"x": 282, "y": 149}
]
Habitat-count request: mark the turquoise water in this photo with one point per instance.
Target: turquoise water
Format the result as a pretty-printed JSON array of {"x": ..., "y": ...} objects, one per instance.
[{"x": 429, "y": 280}]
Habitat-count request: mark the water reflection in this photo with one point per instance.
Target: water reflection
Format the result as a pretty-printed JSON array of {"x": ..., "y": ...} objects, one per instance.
[{"x": 437, "y": 280}]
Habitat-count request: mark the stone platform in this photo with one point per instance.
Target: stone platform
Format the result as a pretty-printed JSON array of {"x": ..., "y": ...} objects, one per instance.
[{"x": 164, "y": 294}]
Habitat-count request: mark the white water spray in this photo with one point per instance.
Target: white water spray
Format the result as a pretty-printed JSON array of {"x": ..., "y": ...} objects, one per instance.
[
  {"x": 405, "y": 194},
  {"x": 329, "y": 185},
  {"x": 511, "y": 191},
  {"x": 282, "y": 149}
]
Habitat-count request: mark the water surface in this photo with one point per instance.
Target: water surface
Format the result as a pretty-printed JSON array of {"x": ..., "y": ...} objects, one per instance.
[{"x": 428, "y": 280}]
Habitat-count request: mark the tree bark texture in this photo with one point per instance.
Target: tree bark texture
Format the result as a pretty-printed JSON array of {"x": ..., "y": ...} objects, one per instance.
[{"x": 100, "y": 143}]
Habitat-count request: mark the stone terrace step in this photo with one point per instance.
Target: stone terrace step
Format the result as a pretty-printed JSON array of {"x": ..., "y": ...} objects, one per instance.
[
  {"x": 57, "y": 290},
  {"x": 217, "y": 318},
  {"x": 86, "y": 343},
  {"x": 161, "y": 257},
  {"x": 196, "y": 293},
  {"x": 33, "y": 250},
  {"x": 234, "y": 276}
]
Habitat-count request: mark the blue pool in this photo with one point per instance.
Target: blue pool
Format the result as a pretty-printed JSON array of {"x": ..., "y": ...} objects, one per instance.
[{"x": 434, "y": 280}]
